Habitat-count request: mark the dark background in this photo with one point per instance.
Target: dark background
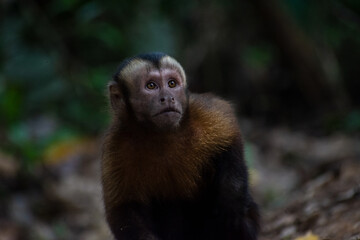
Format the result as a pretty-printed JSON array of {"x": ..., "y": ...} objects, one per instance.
[{"x": 286, "y": 64}]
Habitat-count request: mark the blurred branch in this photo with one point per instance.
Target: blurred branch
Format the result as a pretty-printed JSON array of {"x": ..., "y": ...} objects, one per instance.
[
  {"x": 52, "y": 38},
  {"x": 299, "y": 50},
  {"x": 345, "y": 13},
  {"x": 51, "y": 33}
]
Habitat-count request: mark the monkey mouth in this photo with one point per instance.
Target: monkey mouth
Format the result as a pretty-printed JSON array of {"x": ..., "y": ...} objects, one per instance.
[{"x": 168, "y": 110}]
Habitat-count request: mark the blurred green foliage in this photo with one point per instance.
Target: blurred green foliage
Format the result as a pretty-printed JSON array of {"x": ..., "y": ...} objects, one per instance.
[{"x": 57, "y": 56}]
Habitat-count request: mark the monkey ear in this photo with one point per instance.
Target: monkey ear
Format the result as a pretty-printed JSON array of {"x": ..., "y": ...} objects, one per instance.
[
  {"x": 115, "y": 95},
  {"x": 114, "y": 88}
]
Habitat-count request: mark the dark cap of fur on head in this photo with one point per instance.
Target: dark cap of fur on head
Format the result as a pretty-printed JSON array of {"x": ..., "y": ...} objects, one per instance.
[{"x": 153, "y": 57}]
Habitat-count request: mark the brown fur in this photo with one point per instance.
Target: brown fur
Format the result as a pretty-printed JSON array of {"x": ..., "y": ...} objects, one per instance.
[{"x": 137, "y": 166}]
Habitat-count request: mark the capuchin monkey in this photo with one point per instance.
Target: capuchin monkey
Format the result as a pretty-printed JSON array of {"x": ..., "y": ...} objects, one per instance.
[{"x": 172, "y": 163}]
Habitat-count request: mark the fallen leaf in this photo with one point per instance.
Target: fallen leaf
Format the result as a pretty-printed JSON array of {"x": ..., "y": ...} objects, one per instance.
[
  {"x": 63, "y": 150},
  {"x": 8, "y": 165},
  {"x": 308, "y": 236}
]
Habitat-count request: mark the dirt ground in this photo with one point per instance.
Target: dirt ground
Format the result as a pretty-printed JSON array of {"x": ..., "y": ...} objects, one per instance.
[{"x": 328, "y": 206}]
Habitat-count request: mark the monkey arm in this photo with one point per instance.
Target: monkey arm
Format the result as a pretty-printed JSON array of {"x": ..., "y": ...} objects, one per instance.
[
  {"x": 235, "y": 206},
  {"x": 130, "y": 222}
]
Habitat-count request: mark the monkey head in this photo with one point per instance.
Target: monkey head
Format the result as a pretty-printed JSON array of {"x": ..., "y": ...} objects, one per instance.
[{"x": 151, "y": 90}]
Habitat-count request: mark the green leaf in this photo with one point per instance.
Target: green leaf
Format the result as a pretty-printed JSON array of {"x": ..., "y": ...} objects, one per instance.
[
  {"x": 259, "y": 56},
  {"x": 352, "y": 122},
  {"x": 10, "y": 104},
  {"x": 153, "y": 34},
  {"x": 58, "y": 6},
  {"x": 88, "y": 12}
]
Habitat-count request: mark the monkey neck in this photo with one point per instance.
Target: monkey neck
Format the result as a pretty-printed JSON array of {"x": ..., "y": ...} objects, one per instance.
[{"x": 127, "y": 124}]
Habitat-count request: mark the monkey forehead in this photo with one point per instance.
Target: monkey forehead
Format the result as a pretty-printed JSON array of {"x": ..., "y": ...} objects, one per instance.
[
  {"x": 138, "y": 68},
  {"x": 171, "y": 63},
  {"x": 135, "y": 69}
]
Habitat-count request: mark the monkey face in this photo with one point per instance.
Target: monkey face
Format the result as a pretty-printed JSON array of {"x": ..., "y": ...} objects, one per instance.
[
  {"x": 150, "y": 90},
  {"x": 158, "y": 97}
]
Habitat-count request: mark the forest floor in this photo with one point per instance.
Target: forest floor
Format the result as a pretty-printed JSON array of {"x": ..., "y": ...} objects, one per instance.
[
  {"x": 303, "y": 184},
  {"x": 328, "y": 206},
  {"x": 317, "y": 185}
]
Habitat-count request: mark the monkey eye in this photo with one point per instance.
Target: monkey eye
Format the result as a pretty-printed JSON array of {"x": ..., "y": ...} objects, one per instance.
[
  {"x": 172, "y": 83},
  {"x": 151, "y": 85}
]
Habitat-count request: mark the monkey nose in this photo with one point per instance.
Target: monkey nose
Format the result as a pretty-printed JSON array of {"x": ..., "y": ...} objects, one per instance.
[{"x": 167, "y": 99}]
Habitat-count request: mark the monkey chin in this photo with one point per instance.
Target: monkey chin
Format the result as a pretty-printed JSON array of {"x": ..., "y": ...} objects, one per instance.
[{"x": 167, "y": 121}]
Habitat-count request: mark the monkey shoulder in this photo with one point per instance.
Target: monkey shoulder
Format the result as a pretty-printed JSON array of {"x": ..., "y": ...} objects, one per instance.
[{"x": 213, "y": 121}]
